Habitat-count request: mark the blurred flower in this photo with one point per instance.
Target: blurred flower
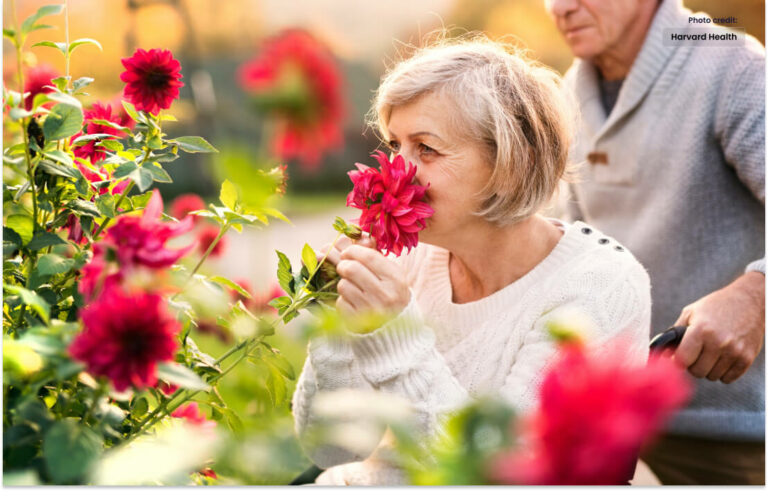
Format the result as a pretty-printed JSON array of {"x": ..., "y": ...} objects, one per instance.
[
  {"x": 209, "y": 326},
  {"x": 166, "y": 388},
  {"x": 90, "y": 150},
  {"x": 130, "y": 243},
  {"x": 208, "y": 472},
  {"x": 295, "y": 79},
  {"x": 595, "y": 416},
  {"x": 75, "y": 233},
  {"x": 38, "y": 81},
  {"x": 206, "y": 237},
  {"x": 125, "y": 336},
  {"x": 393, "y": 210},
  {"x": 98, "y": 176},
  {"x": 141, "y": 240},
  {"x": 193, "y": 414},
  {"x": 185, "y": 203},
  {"x": 152, "y": 78},
  {"x": 260, "y": 301}
]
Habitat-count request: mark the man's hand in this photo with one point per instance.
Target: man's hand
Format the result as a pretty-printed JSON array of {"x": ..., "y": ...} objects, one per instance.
[{"x": 725, "y": 330}]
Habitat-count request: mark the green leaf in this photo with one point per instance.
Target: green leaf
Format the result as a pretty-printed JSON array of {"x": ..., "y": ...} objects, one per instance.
[
  {"x": 64, "y": 99},
  {"x": 193, "y": 144},
  {"x": 62, "y": 47},
  {"x": 106, "y": 205},
  {"x": 60, "y": 83},
  {"x": 276, "y": 386},
  {"x": 49, "y": 264},
  {"x": 280, "y": 362},
  {"x": 82, "y": 140},
  {"x": 284, "y": 272},
  {"x": 143, "y": 178},
  {"x": 82, "y": 41},
  {"x": 10, "y": 35},
  {"x": 28, "y": 25},
  {"x": 280, "y": 302},
  {"x": 18, "y": 113},
  {"x": 124, "y": 169},
  {"x": 31, "y": 299},
  {"x": 274, "y": 213},
  {"x": 59, "y": 170},
  {"x": 63, "y": 121},
  {"x": 140, "y": 200},
  {"x": 45, "y": 239},
  {"x": 139, "y": 406},
  {"x": 230, "y": 284},
  {"x": 180, "y": 375},
  {"x": 22, "y": 225},
  {"x": 228, "y": 194},
  {"x": 158, "y": 173},
  {"x": 82, "y": 207},
  {"x": 69, "y": 450},
  {"x": 60, "y": 156},
  {"x": 110, "y": 144},
  {"x": 309, "y": 258},
  {"x": 81, "y": 82},
  {"x": 130, "y": 109}
]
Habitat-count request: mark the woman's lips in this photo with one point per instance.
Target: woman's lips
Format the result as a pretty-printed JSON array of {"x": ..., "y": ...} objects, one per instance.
[{"x": 574, "y": 31}]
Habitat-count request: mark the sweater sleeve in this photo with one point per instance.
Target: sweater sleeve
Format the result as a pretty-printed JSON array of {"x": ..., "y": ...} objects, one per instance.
[{"x": 330, "y": 366}]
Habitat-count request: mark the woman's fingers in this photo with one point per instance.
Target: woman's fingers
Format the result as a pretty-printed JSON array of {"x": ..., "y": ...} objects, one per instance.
[
  {"x": 352, "y": 298},
  {"x": 372, "y": 259},
  {"x": 357, "y": 273}
]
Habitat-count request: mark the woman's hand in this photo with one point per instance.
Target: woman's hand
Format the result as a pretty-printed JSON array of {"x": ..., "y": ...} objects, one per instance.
[{"x": 369, "y": 282}]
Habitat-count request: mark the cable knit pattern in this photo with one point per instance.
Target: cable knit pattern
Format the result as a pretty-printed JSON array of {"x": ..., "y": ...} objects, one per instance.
[
  {"x": 683, "y": 187},
  {"x": 439, "y": 354}
]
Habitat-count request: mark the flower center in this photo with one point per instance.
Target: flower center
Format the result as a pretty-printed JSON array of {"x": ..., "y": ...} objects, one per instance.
[
  {"x": 134, "y": 346},
  {"x": 157, "y": 80}
]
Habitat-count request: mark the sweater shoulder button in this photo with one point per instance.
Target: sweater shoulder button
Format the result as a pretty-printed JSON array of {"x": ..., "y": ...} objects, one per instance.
[
  {"x": 603, "y": 241},
  {"x": 586, "y": 230}
]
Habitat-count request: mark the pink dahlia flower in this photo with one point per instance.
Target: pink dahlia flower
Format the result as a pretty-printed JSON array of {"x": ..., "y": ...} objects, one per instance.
[
  {"x": 192, "y": 413},
  {"x": 595, "y": 416},
  {"x": 125, "y": 336},
  {"x": 393, "y": 211},
  {"x": 206, "y": 237},
  {"x": 90, "y": 150},
  {"x": 152, "y": 79}
]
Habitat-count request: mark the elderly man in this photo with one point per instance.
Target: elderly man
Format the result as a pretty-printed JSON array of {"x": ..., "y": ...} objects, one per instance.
[{"x": 672, "y": 143}]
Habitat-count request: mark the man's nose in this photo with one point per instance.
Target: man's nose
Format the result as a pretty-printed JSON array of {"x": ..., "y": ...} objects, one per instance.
[{"x": 561, "y": 8}]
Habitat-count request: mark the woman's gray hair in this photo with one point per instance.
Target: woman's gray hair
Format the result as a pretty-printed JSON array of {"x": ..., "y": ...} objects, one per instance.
[{"x": 507, "y": 102}]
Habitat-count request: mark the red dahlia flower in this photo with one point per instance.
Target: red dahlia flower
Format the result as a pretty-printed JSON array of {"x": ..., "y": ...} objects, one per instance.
[
  {"x": 90, "y": 150},
  {"x": 185, "y": 203},
  {"x": 152, "y": 78},
  {"x": 206, "y": 237},
  {"x": 295, "y": 78},
  {"x": 393, "y": 210},
  {"x": 38, "y": 80},
  {"x": 125, "y": 337},
  {"x": 595, "y": 415}
]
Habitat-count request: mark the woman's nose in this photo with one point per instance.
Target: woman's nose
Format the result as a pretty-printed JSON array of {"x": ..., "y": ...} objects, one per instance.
[{"x": 561, "y": 8}]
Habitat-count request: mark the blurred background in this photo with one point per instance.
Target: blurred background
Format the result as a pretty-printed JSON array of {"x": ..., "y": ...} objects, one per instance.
[{"x": 213, "y": 40}]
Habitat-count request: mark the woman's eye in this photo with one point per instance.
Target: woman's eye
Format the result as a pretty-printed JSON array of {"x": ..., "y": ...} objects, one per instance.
[
  {"x": 425, "y": 148},
  {"x": 394, "y": 146}
]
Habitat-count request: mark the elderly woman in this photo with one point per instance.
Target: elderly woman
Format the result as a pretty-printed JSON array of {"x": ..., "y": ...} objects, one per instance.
[{"x": 489, "y": 132}]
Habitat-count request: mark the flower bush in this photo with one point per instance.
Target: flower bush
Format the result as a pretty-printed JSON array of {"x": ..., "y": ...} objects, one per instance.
[{"x": 100, "y": 312}]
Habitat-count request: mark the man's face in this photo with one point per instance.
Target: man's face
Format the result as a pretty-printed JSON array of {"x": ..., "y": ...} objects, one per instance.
[{"x": 593, "y": 27}]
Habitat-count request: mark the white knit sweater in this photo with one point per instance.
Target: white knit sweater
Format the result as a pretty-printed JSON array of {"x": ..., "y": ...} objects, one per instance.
[{"x": 438, "y": 354}]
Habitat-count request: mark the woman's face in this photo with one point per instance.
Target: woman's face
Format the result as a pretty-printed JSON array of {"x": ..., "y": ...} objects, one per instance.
[{"x": 455, "y": 167}]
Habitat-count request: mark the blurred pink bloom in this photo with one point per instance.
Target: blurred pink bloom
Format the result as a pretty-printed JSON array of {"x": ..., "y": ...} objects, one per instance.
[
  {"x": 37, "y": 80},
  {"x": 205, "y": 238},
  {"x": 185, "y": 203},
  {"x": 125, "y": 336},
  {"x": 393, "y": 210},
  {"x": 595, "y": 416},
  {"x": 295, "y": 79},
  {"x": 191, "y": 413}
]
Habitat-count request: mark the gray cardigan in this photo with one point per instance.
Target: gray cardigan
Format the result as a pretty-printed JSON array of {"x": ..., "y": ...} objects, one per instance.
[{"x": 678, "y": 176}]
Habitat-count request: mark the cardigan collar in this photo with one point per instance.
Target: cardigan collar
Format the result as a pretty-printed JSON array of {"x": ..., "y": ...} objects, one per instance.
[{"x": 648, "y": 65}]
